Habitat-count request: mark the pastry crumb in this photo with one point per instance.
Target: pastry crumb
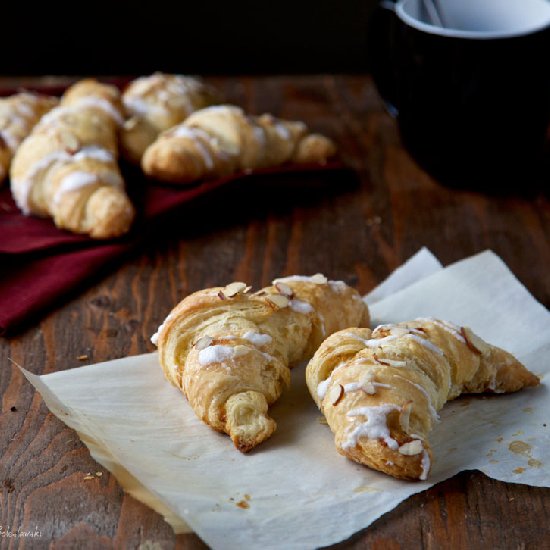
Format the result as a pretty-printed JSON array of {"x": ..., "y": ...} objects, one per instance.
[
  {"x": 518, "y": 470},
  {"x": 243, "y": 504},
  {"x": 82, "y": 357}
]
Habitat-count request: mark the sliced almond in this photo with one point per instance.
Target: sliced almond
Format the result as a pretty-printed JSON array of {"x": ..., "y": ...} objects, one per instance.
[
  {"x": 240, "y": 350},
  {"x": 405, "y": 415},
  {"x": 233, "y": 289},
  {"x": 474, "y": 342},
  {"x": 131, "y": 123},
  {"x": 278, "y": 300},
  {"x": 411, "y": 448},
  {"x": 284, "y": 289},
  {"x": 319, "y": 279},
  {"x": 203, "y": 342},
  {"x": 70, "y": 142},
  {"x": 335, "y": 395}
]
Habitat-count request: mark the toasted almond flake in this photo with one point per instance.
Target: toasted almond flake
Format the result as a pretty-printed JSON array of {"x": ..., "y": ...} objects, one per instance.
[
  {"x": 335, "y": 395},
  {"x": 233, "y": 289},
  {"x": 99, "y": 474},
  {"x": 240, "y": 350},
  {"x": 82, "y": 357},
  {"x": 474, "y": 342},
  {"x": 88, "y": 476},
  {"x": 203, "y": 342},
  {"x": 319, "y": 279},
  {"x": 405, "y": 415},
  {"x": 379, "y": 361},
  {"x": 411, "y": 448},
  {"x": 70, "y": 142},
  {"x": 278, "y": 300},
  {"x": 284, "y": 289},
  {"x": 131, "y": 123}
]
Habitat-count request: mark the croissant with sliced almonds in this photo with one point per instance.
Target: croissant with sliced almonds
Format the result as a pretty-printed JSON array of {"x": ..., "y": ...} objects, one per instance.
[
  {"x": 18, "y": 115},
  {"x": 157, "y": 102},
  {"x": 230, "y": 351},
  {"x": 381, "y": 391},
  {"x": 220, "y": 140},
  {"x": 67, "y": 167}
]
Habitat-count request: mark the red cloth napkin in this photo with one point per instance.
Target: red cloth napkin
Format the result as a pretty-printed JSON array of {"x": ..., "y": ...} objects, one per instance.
[{"x": 41, "y": 266}]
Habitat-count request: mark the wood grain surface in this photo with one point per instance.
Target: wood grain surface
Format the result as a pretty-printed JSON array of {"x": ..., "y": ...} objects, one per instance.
[{"x": 356, "y": 233}]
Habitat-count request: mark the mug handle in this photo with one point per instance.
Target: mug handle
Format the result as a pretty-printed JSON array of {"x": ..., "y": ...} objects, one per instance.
[{"x": 382, "y": 49}]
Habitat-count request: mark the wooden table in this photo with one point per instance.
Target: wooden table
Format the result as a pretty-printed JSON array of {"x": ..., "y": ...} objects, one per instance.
[{"x": 359, "y": 235}]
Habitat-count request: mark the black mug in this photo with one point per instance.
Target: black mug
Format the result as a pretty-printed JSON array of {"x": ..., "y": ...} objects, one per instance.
[{"x": 471, "y": 89}]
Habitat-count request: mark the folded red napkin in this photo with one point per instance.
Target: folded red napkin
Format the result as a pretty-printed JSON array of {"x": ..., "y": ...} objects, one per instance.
[{"x": 41, "y": 266}]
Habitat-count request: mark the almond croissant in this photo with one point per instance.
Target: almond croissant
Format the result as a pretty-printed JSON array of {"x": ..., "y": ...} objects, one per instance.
[
  {"x": 229, "y": 351},
  {"x": 18, "y": 115},
  {"x": 221, "y": 140},
  {"x": 157, "y": 102},
  {"x": 67, "y": 168},
  {"x": 380, "y": 391}
]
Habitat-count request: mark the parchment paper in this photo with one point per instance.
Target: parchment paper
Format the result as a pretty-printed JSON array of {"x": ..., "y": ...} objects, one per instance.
[{"x": 295, "y": 491}]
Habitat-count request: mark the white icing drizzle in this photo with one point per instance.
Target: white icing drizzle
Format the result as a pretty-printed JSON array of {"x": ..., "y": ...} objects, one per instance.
[
  {"x": 99, "y": 103},
  {"x": 297, "y": 278},
  {"x": 426, "y": 343},
  {"x": 338, "y": 286},
  {"x": 259, "y": 134},
  {"x": 257, "y": 338},
  {"x": 11, "y": 141},
  {"x": 322, "y": 321},
  {"x": 73, "y": 181},
  {"x": 451, "y": 328},
  {"x": 24, "y": 110},
  {"x": 95, "y": 153},
  {"x": 299, "y": 306},
  {"x": 375, "y": 427},
  {"x": 155, "y": 337},
  {"x": 190, "y": 133},
  {"x": 282, "y": 131},
  {"x": 215, "y": 354},
  {"x": 323, "y": 387},
  {"x": 425, "y": 463},
  {"x": 136, "y": 105}
]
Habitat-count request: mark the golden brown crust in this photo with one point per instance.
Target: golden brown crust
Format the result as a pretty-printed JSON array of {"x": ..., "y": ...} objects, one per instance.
[
  {"x": 381, "y": 391},
  {"x": 229, "y": 350},
  {"x": 156, "y": 103},
  {"x": 67, "y": 168},
  {"x": 220, "y": 140}
]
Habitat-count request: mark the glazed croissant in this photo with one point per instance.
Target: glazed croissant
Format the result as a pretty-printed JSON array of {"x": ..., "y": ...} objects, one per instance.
[
  {"x": 18, "y": 115},
  {"x": 157, "y": 102},
  {"x": 222, "y": 139},
  {"x": 67, "y": 168},
  {"x": 380, "y": 391},
  {"x": 229, "y": 351}
]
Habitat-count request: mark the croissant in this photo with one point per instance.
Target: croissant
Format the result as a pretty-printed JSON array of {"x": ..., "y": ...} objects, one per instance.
[
  {"x": 222, "y": 139},
  {"x": 157, "y": 102},
  {"x": 229, "y": 351},
  {"x": 380, "y": 391},
  {"x": 67, "y": 167},
  {"x": 18, "y": 115}
]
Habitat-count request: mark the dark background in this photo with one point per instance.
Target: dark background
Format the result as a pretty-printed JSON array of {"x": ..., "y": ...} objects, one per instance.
[{"x": 202, "y": 37}]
